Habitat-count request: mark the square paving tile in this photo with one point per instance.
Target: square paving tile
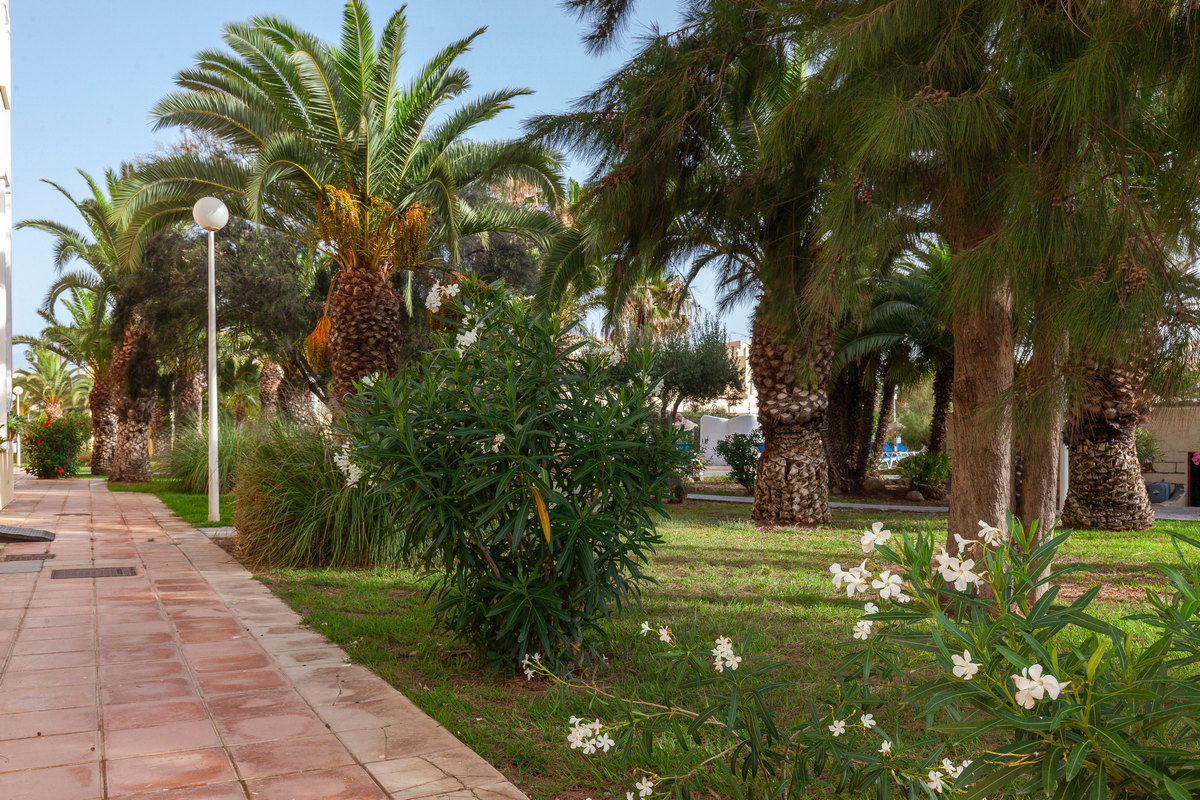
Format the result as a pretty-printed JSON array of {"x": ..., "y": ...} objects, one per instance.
[
  {"x": 146, "y": 740},
  {"x": 16, "y": 701},
  {"x": 119, "y": 654},
  {"x": 283, "y": 756},
  {"x": 140, "y": 691},
  {"x": 232, "y": 706},
  {"x": 49, "y": 723},
  {"x": 168, "y": 771},
  {"x": 133, "y": 715},
  {"x": 78, "y": 782},
  {"x": 277, "y": 726},
  {"x": 30, "y": 679},
  {"x": 343, "y": 783},
  {"x": 49, "y": 751},
  {"x": 212, "y": 791},
  {"x": 66, "y": 644},
  {"x": 85, "y": 658},
  {"x": 149, "y": 671},
  {"x": 252, "y": 680}
]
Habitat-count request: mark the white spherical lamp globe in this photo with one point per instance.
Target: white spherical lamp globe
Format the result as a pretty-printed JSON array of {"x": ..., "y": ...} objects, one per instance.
[
  {"x": 18, "y": 391},
  {"x": 210, "y": 213}
]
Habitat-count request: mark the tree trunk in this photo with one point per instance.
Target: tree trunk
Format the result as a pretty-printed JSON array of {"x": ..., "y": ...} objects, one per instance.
[
  {"x": 887, "y": 404},
  {"x": 943, "y": 388},
  {"x": 160, "y": 431},
  {"x": 1039, "y": 440},
  {"x": 850, "y": 422},
  {"x": 983, "y": 376},
  {"x": 189, "y": 393},
  {"x": 270, "y": 380},
  {"x": 1107, "y": 490},
  {"x": 364, "y": 327},
  {"x": 792, "y": 482},
  {"x": 295, "y": 399},
  {"x": 133, "y": 373},
  {"x": 104, "y": 426}
]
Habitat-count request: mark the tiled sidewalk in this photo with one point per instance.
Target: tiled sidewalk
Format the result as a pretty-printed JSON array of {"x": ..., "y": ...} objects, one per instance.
[{"x": 189, "y": 680}]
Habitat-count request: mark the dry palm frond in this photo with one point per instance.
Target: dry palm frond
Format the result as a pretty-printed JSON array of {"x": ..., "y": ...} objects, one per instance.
[{"x": 372, "y": 234}]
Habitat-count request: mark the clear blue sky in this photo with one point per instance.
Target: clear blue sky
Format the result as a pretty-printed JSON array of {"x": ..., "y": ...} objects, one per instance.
[{"x": 86, "y": 73}]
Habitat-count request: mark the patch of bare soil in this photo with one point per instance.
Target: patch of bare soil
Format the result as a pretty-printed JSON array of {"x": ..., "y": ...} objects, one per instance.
[{"x": 1109, "y": 592}]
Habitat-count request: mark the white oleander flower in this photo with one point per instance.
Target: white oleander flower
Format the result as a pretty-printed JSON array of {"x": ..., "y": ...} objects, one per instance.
[
  {"x": 645, "y": 787},
  {"x": 497, "y": 440},
  {"x": 604, "y": 742},
  {"x": 993, "y": 536},
  {"x": 963, "y": 666},
  {"x": 1033, "y": 685},
  {"x": 886, "y": 747},
  {"x": 962, "y": 543},
  {"x": 959, "y": 573},
  {"x": 838, "y": 727},
  {"x": 862, "y": 629},
  {"x": 868, "y": 721},
  {"x": 936, "y": 782},
  {"x": 664, "y": 634},
  {"x": 587, "y": 736},
  {"x": 870, "y": 608},
  {"x": 942, "y": 558},
  {"x": 888, "y": 584},
  {"x": 877, "y": 535},
  {"x": 723, "y": 655},
  {"x": 646, "y": 627},
  {"x": 341, "y": 457},
  {"x": 466, "y": 338}
]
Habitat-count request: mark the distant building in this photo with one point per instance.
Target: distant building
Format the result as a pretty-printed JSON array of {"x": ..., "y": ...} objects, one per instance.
[{"x": 6, "y": 226}]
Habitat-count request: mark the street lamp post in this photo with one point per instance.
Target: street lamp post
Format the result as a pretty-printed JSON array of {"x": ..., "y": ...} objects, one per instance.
[
  {"x": 17, "y": 392},
  {"x": 211, "y": 215}
]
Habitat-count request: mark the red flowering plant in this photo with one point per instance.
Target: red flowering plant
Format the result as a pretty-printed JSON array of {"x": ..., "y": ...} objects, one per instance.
[{"x": 52, "y": 447}]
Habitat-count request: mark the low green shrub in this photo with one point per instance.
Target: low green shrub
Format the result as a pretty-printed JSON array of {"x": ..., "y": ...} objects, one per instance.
[
  {"x": 1148, "y": 448},
  {"x": 528, "y": 477},
  {"x": 741, "y": 452},
  {"x": 964, "y": 680},
  {"x": 54, "y": 448},
  {"x": 295, "y": 505},
  {"x": 187, "y": 460},
  {"x": 927, "y": 471}
]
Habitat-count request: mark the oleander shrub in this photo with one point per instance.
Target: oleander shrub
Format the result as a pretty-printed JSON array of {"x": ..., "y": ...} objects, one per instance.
[
  {"x": 527, "y": 475},
  {"x": 298, "y": 502},
  {"x": 741, "y": 452},
  {"x": 52, "y": 448},
  {"x": 968, "y": 676}
]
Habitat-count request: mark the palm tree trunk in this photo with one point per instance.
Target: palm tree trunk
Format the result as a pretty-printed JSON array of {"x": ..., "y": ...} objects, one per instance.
[
  {"x": 160, "y": 430},
  {"x": 132, "y": 373},
  {"x": 1039, "y": 441},
  {"x": 104, "y": 426},
  {"x": 792, "y": 482},
  {"x": 849, "y": 423},
  {"x": 270, "y": 381},
  {"x": 364, "y": 327},
  {"x": 1107, "y": 490},
  {"x": 189, "y": 393},
  {"x": 943, "y": 388},
  {"x": 887, "y": 404},
  {"x": 983, "y": 376},
  {"x": 53, "y": 409}
]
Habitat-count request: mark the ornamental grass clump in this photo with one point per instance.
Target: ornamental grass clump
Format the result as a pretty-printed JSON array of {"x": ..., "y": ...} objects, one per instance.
[
  {"x": 52, "y": 447},
  {"x": 187, "y": 459},
  {"x": 966, "y": 677},
  {"x": 526, "y": 476}
]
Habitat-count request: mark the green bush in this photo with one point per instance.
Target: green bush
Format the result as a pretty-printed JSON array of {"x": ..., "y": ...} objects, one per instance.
[
  {"x": 927, "y": 471},
  {"x": 741, "y": 452},
  {"x": 53, "y": 448},
  {"x": 967, "y": 678},
  {"x": 187, "y": 460},
  {"x": 1148, "y": 449},
  {"x": 526, "y": 476},
  {"x": 296, "y": 506}
]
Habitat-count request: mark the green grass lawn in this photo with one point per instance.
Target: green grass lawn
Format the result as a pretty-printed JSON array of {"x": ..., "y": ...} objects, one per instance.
[
  {"x": 193, "y": 508},
  {"x": 717, "y": 574}
]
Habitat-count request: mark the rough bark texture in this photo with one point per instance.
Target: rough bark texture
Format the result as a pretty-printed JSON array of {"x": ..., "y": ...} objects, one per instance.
[
  {"x": 189, "y": 394},
  {"x": 133, "y": 375},
  {"x": 887, "y": 404},
  {"x": 792, "y": 482},
  {"x": 943, "y": 389},
  {"x": 104, "y": 426},
  {"x": 160, "y": 431},
  {"x": 270, "y": 380},
  {"x": 849, "y": 426},
  {"x": 295, "y": 400},
  {"x": 364, "y": 332},
  {"x": 1040, "y": 435},
  {"x": 1107, "y": 490},
  {"x": 53, "y": 409},
  {"x": 983, "y": 376}
]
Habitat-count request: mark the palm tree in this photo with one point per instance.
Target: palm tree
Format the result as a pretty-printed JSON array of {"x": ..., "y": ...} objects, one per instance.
[
  {"x": 93, "y": 289},
  {"x": 326, "y": 143},
  {"x": 52, "y": 385},
  {"x": 86, "y": 343}
]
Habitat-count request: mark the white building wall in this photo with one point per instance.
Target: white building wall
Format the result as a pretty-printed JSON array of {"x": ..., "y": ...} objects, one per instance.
[{"x": 6, "y": 226}]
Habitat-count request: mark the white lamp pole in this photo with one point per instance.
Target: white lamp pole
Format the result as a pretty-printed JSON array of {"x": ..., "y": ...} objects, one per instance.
[
  {"x": 211, "y": 215},
  {"x": 17, "y": 392}
]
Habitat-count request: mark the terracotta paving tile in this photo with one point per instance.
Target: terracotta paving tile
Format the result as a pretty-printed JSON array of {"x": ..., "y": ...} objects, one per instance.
[
  {"x": 49, "y": 751},
  {"x": 283, "y": 756},
  {"x": 251, "y": 680},
  {"x": 239, "y": 730},
  {"x": 66, "y": 644},
  {"x": 122, "y": 628},
  {"x": 253, "y": 704},
  {"x": 30, "y": 679},
  {"x": 133, "y": 715},
  {"x": 168, "y": 771},
  {"x": 149, "y": 671},
  {"x": 55, "y": 621},
  {"x": 245, "y": 646},
  {"x": 119, "y": 654},
  {"x": 18, "y": 700},
  {"x": 343, "y": 783},
  {"x": 49, "y": 723},
  {"x": 78, "y": 658},
  {"x": 163, "y": 738},
  {"x": 212, "y": 791},
  {"x": 231, "y": 663},
  {"x": 139, "y": 691},
  {"x": 135, "y": 640},
  {"x": 80, "y": 782}
]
